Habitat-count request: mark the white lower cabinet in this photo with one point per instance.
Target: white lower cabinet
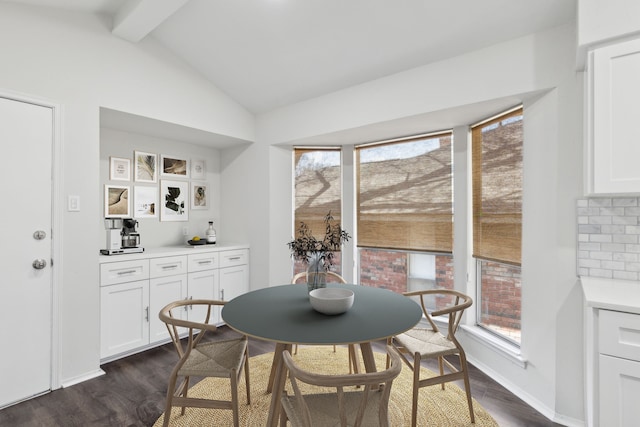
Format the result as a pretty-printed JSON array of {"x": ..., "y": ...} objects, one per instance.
[
  {"x": 234, "y": 281},
  {"x": 619, "y": 391},
  {"x": 203, "y": 285},
  {"x": 234, "y": 273},
  {"x": 134, "y": 291},
  {"x": 124, "y": 317},
  {"x": 163, "y": 290},
  {"x": 619, "y": 368}
]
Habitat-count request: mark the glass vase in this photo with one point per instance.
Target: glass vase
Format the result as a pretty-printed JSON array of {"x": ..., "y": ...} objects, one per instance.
[{"x": 316, "y": 273}]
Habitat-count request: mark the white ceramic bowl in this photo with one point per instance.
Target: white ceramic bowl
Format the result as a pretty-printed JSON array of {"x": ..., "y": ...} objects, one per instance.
[{"x": 331, "y": 300}]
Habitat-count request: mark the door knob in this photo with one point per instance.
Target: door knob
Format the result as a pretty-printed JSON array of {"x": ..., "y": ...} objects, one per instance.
[{"x": 39, "y": 264}]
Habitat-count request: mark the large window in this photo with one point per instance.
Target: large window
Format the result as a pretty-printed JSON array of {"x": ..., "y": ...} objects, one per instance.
[
  {"x": 497, "y": 222},
  {"x": 405, "y": 213},
  {"x": 317, "y": 182}
]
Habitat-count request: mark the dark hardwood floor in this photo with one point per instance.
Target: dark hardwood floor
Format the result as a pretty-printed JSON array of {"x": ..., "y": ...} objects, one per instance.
[{"x": 132, "y": 393}]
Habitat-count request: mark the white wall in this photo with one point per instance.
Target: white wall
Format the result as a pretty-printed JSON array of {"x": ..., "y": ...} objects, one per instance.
[
  {"x": 603, "y": 20},
  {"x": 72, "y": 59},
  {"x": 153, "y": 231},
  {"x": 543, "y": 63}
]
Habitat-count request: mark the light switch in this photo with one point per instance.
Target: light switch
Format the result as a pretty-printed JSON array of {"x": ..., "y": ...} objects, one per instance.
[{"x": 73, "y": 204}]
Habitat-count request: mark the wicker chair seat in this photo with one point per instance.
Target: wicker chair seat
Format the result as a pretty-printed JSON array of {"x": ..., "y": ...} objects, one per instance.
[
  {"x": 215, "y": 359},
  {"x": 426, "y": 342}
]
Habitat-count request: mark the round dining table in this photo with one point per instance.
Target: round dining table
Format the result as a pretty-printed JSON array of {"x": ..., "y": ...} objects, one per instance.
[{"x": 283, "y": 314}]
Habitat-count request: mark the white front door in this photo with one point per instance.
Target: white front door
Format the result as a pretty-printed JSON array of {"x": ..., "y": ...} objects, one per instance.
[{"x": 26, "y": 139}]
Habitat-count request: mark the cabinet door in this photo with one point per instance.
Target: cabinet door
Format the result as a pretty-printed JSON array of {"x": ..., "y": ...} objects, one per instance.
[
  {"x": 164, "y": 290},
  {"x": 203, "y": 285},
  {"x": 124, "y": 317},
  {"x": 619, "y": 391},
  {"x": 234, "y": 281},
  {"x": 613, "y": 111}
]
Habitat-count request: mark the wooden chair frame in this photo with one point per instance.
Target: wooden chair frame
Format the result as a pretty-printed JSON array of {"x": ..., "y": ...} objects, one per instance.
[
  {"x": 366, "y": 383},
  {"x": 354, "y": 362},
  {"x": 177, "y": 396},
  {"x": 454, "y": 314}
]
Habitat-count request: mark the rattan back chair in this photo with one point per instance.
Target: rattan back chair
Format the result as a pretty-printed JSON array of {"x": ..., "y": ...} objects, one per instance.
[
  {"x": 197, "y": 358},
  {"x": 359, "y": 400},
  {"x": 421, "y": 343}
]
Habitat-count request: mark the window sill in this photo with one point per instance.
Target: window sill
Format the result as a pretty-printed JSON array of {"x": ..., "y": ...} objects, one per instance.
[{"x": 509, "y": 351}]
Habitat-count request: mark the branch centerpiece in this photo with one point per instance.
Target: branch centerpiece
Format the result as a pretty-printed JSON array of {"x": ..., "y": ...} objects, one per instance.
[{"x": 318, "y": 254}]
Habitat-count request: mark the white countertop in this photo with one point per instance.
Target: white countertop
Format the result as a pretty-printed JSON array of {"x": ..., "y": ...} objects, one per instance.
[
  {"x": 163, "y": 251},
  {"x": 612, "y": 294}
]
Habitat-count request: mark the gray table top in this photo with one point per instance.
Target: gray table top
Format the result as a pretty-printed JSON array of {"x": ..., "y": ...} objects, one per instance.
[{"x": 284, "y": 314}]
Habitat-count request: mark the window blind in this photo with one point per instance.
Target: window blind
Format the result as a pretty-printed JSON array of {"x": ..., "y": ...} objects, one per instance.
[
  {"x": 497, "y": 147},
  {"x": 404, "y": 194},
  {"x": 317, "y": 189}
]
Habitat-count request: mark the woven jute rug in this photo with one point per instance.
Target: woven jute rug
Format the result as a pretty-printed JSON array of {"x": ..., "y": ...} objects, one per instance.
[{"x": 436, "y": 407}]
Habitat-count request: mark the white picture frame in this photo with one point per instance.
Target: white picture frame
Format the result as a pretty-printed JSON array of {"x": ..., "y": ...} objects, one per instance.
[
  {"x": 174, "y": 200},
  {"x": 145, "y": 202},
  {"x": 198, "y": 170},
  {"x": 145, "y": 166},
  {"x": 119, "y": 169},
  {"x": 116, "y": 201},
  {"x": 200, "y": 195},
  {"x": 174, "y": 166}
]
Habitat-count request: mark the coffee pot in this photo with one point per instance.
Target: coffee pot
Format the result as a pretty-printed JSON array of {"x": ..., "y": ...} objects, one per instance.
[{"x": 130, "y": 237}]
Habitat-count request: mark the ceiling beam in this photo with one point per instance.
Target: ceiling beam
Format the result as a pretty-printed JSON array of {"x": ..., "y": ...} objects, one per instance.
[{"x": 136, "y": 19}]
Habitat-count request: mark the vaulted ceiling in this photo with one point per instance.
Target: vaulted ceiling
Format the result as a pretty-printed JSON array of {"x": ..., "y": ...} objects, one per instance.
[{"x": 270, "y": 53}]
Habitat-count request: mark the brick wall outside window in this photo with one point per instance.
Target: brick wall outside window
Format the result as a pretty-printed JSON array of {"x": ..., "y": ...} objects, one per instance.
[{"x": 501, "y": 296}]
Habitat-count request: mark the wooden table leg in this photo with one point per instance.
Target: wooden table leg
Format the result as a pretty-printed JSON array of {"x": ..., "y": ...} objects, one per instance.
[
  {"x": 277, "y": 358},
  {"x": 367, "y": 357},
  {"x": 280, "y": 377}
]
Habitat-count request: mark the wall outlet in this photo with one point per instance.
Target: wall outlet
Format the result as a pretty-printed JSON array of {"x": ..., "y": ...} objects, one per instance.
[{"x": 185, "y": 231}]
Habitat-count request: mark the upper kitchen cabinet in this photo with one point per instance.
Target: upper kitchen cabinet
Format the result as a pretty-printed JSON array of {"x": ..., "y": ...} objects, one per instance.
[{"x": 613, "y": 130}]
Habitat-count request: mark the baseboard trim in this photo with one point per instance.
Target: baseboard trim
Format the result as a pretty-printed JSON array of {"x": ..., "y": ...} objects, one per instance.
[
  {"x": 526, "y": 397},
  {"x": 81, "y": 378}
]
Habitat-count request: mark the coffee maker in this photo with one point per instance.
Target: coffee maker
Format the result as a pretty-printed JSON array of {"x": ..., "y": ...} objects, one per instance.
[{"x": 122, "y": 237}]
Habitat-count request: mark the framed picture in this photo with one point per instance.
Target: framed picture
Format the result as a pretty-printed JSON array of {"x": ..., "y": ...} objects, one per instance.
[
  {"x": 199, "y": 195},
  {"x": 174, "y": 200},
  {"x": 145, "y": 202},
  {"x": 174, "y": 166},
  {"x": 197, "y": 169},
  {"x": 116, "y": 201},
  {"x": 145, "y": 167},
  {"x": 119, "y": 169}
]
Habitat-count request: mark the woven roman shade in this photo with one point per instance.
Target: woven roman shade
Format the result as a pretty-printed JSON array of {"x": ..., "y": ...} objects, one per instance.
[
  {"x": 317, "y": 191},
  {"x": 404, "y": 191},
  {"x": 497, "y": 147}
]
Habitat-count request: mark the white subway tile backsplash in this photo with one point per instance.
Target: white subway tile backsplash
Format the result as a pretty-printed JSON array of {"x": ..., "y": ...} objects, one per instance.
[
  {"x": 609, "y": 237},
  {"x": 625, "y": 220},
  {"x": 601, "y": 238},
  {"x": 613, "y": 247},
  {"x": 600, "y": 202},
  {"x": 633, "y": 211},
  {"x": 625, "y": 238},
  {"x": 612, "y": 229},
  {"x": 625, "y": 257},
  {"x": 624, "y": 201},
  {"x": 599, "y": 219}
]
